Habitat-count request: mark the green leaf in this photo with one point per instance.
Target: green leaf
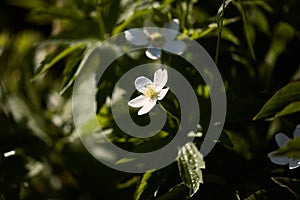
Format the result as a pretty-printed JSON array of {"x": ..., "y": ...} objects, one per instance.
[
  {"x": 59, "y": 57},
  {"x": 289, "y": 109},
  {"x": 124, "y": 160},
  {"x": 292, "y": 185},
  {"x": 280, "y": 99},
  {"x": 248, "y": 28},
  {"x": 229, "y": 36},
  {"x": 282, "y": 34},
  {"x": 179, "y": 191},
  {"x": 138, "y": 14},
  {"x": 211, "y": 30},
  {"x": 190, "y": 162},
  {"x": 259, "y": 3},
  {"x": 128, "y": 183},
  {"x": 291, "y": 149},
  {"x": 85, "y": 63},
  {"x": 66, "y": 13},
  {"x": 20, "y": 110},
  {"x": 150, "y": 183},
  {"x": 143, "y": 185},
  {"x": 70, "y": 69},
  {"x": 240, "y": 144},
  {"x": 259, "y": 19},
  {"x": 258, "y": 195}
]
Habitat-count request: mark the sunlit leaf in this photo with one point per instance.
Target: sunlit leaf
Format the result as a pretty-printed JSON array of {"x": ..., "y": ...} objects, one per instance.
[
  {"x": 190, "y": 163},
  {"x": 71, "y": 14},
  {"x": 71, "y": 67},
  {"x": 90, "y": 58},
  {"x": 124, "y": 160},
  {"x": 280, "y": 99},
  {"x": 211, "y": 29},
  {"x": 259, "y": 195},
  {"x": 229, "y": 36},
  {"x": 143, "y": 185},
  {"x": 223, "y": 7},
  {"x": 149, "y": 184},
  {"x": 128, "y": 183},
  {"x": 139, "y": 13},
  {"x": 259, "y": 19},
  {"x": 289, "y": 109},
  {"x": 59, "y": 57},
  {"x": 292, "y": 185},
  {"x": 179, "y": 191}
]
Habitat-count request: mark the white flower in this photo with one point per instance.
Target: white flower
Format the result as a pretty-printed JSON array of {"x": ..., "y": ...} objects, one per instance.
[
  {"x": 152, "y": 91},
  {"x": 281, "y": 140},
  {"x": 157, "y": 39}
]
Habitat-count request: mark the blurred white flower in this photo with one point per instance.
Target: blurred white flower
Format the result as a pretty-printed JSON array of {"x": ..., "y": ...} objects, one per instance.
[
  {"x": 152, "y": 91},
  {"x": 281, "y": 140},
  {"x": 157, "y": 39}
]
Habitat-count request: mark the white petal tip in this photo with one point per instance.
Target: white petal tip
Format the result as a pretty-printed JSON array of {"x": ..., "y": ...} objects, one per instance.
[
  {"x": 138, "y": 101},
  {"x": 176, "y": 20},
  {"x": 153, "y": 53},
  {"x": 141, "y": 113},
  {"x": 294, "y": 167}
]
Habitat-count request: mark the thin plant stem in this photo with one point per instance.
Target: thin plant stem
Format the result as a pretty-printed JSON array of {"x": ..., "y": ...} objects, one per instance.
[
  {"x": 220, "y": 26},
  {"x": 170, "y": 114}
]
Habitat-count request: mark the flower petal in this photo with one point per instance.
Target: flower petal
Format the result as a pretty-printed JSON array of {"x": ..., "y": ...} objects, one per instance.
[
  {"x": 147, "y": 107},
  {"x": 153, "y": 53},
  {"x": 280, "y": 160},
  {"x": 171, "y": 34},
  {"x": 141, "y": 83},
  {"x": 294, "y": 164},
  {"x": 281, "y": 139},
  {"x": 297, "y": 131},
  {"x": 176, "y": 47},
  {"x": 136, "y": 37},
  {"x": 138, "y": 102},
  {"x": 160, "y": 79},
  {"x": 162, "y": 93}
]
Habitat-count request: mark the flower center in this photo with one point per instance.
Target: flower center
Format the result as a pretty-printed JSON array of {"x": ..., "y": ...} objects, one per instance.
[
  {"x": 150, "y": 92},
  {"x": 157, "y": 39}
]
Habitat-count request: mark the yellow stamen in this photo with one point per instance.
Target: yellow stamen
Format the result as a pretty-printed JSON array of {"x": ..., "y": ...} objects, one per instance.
[
  {"x": 150, "y": 92},
  {"x": 157, "y": 39}
]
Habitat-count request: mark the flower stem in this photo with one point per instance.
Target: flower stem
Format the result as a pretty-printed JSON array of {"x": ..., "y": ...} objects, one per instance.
[
  {"x": 220, "y": 26},
  {"x": 170, "y": 114}
]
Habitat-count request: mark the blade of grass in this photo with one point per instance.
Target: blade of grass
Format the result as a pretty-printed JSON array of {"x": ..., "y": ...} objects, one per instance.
[
  {"x": 245, "y": 27},
  {"x": 220, "y": 16}
]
